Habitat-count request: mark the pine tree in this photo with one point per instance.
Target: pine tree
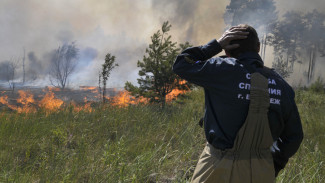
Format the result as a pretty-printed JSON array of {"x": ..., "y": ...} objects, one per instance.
[{"x": 156, "y": 76}]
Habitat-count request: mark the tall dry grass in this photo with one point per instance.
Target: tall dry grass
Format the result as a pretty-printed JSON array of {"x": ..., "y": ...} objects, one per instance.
[{"x": 134, "y": 144}]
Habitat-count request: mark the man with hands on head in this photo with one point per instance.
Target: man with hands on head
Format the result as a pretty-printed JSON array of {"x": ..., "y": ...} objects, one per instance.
[{"x": 251, "y": 122}]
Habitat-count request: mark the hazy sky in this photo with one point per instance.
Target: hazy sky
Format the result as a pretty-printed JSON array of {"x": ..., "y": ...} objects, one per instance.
[{"x": 120, "y": 27}]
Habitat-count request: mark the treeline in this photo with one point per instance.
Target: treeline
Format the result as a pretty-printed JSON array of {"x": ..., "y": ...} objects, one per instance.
[{"x": 297, "y": 37}]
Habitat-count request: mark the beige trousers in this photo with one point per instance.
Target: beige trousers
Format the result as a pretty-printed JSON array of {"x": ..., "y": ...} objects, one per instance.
[{"x": 250, "y": 159}]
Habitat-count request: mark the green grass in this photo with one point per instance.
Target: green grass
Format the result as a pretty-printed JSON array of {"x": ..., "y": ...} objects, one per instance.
[
  {"x": 134, "y": 144},
  {"x": 308, "y": 164}
]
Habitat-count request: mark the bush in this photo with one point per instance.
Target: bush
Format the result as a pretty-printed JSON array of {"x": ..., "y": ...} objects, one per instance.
[{"x": 318, "y": 86}]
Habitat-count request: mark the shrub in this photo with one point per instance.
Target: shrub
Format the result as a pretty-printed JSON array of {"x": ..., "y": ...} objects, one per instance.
[{"x": 318, "y": 86}]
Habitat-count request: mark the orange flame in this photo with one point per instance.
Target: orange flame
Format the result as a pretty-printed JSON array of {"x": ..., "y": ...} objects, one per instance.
[
  {"x": 4, "y": 101},
  {"x": 51, "y": 88},
  {"x": 49, "y": 102},
  {"x": 26, "y": 99},
  {"x": 85, "y": 108},
  {"x": 124, "y": 99},
  {"x": 174, "y": 93},
  {"x": 92, "y": 89}
]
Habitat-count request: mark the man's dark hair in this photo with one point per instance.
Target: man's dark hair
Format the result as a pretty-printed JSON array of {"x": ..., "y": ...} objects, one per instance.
[{"x": 250, "y": 44}]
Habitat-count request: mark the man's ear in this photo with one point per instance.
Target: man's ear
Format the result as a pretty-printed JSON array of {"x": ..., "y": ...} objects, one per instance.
[{"x": 227, "y": 53}]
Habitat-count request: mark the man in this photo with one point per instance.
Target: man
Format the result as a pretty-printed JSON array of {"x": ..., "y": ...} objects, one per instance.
[{"x": 251, "y": 122}]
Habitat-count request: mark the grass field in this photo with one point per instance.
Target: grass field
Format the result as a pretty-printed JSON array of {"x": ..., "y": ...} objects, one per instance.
[{"x": 134, "y": 144}]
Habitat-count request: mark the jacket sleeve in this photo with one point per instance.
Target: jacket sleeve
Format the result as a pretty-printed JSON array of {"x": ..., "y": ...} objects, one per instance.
[
  {"x": 196, "y": 64},
  {"x": 291, "y": 137}
]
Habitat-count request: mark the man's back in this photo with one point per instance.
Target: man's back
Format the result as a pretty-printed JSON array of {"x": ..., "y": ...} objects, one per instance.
[{"x": 226, "y": 83}]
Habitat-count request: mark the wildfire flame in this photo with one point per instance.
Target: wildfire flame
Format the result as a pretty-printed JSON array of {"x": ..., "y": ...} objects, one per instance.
[
  {"x": 124, "y": 98},
  {"x": 27, "y": 100},
  {"x": 27, "y": 104},
  {"x": 50, "y": 88},
  {"x": 92, "y": 89},
  {"x": 174, "y": 93},
  {"x": 4, "y": 101},
  {"x": 49, "y": 102},
  {"x": 86, "y": 107}
]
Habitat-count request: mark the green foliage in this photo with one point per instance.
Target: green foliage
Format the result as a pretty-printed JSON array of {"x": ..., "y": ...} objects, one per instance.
[
  {"x": 318, "y": 86},
  {"x": 157, "y": 78},
  {"x": 299, "y": 38},
  {"x": 281, "y": 66},
  {"x": 308, "y": 164},
  {"x": 107, "y": 67}
]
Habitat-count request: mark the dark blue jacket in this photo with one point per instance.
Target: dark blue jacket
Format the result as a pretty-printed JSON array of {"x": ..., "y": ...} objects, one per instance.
[{"x": 226, "y": 83}]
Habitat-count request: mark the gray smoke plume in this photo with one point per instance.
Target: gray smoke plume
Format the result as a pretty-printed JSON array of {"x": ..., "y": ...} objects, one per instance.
[
  {"x": 120, "y": 27},
  {"x": 34, "y": 68},
  {"x": 181, "y": 12},
  {"x": 196, "y": 21}
]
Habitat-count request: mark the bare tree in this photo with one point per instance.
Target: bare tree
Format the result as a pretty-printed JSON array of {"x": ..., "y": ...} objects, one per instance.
[
  {"x": 63, "y": 63},
  {"x": 8, "y": 71},
  {"x": 24, "y": 67}
]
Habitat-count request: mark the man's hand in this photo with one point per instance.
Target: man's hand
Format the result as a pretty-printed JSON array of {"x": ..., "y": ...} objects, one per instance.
[{"x": 232, "y": 34}]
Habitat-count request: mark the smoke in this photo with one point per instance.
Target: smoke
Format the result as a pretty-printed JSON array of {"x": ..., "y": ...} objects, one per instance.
[
  {"x": 5, "y": 71},
  {"x": 120, "y": 27},
  {"x": 65, "y": 36},
  {"x": 97, "y": 28},
  {"x": 34, "y": 68},
  {"x": 195, "y": 21},
  {"x": 179, "y": 13},
  {"x": 299, "y": 76},
  {"x": 299, "y": 5}
]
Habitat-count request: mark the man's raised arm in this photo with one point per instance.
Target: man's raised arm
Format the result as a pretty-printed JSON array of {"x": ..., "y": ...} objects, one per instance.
[{"x": 196, "y": 64}]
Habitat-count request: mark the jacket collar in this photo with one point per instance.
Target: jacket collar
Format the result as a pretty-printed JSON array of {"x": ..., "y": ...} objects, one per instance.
[{"x": 251, "y": 58}]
